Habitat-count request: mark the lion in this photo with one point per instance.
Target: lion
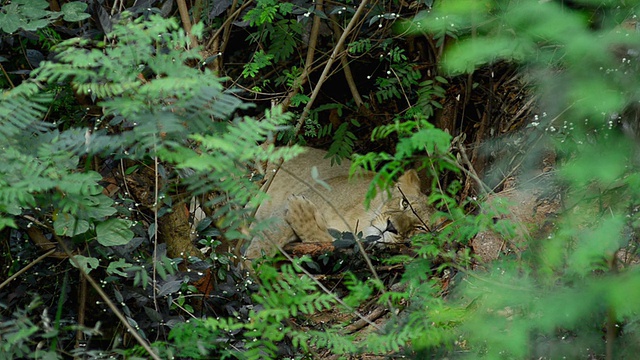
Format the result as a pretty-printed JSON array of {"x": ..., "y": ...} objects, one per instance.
[{"x": 304, "y": 209}]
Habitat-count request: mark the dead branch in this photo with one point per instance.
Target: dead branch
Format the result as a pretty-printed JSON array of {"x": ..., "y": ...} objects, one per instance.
[
  {"x": 311, "y": 49},
  {"x": 346, "y": 68},
  {"x": 359, "y": 324}
]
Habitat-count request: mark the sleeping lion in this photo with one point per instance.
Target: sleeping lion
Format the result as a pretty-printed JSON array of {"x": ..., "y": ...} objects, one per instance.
[{"x": 302, "y": 209}]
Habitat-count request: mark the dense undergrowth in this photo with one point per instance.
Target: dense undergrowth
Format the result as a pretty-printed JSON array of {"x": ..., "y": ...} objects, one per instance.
[{"x": 106, "y": 139}]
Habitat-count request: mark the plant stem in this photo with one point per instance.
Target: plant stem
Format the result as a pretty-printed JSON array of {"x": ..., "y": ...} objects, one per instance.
[
  {"x": 327, "y": 67},
  {"x": 24, "y": 269},
  {"x": 227, "y": 23},
  {"x": 346, "y": 69},
  {"x": 311, "y": 49},
  {"x": 186, "y": 21}
]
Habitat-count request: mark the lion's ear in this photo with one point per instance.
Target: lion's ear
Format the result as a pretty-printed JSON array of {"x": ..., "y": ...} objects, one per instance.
[{"x": 409, "y": 183}]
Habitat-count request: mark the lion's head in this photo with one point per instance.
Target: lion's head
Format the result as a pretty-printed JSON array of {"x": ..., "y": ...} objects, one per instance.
[{"x": 404, "y": 214}]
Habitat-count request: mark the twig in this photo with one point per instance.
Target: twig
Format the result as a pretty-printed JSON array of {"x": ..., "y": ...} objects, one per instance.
[
  {"x": 404, "y": 93},
  {"x": 175, "y": 302},
  {"x": 479, "y": 136},
  {"x": 471, "y": 172},
  {"x": 227, "y": 22},
  {"x": 532, "y": 145},
  {"x": 124, "y": 178},
  {"x": 346, "y": 69},
  {"x": 115, "y": 5},
  {"x": 155, "y": 230},
  {"x": 82, "y": 307},
  {"x": 375, "y": 314},
  {"x": 29, "y": 266},
  {"x": 7, "y": 76},
  {"x": 38, "y": 238},
  {"x": 226, "y": 37},
  {"x": 373, "y": 270},
  {"x": 404, "y": 197}
]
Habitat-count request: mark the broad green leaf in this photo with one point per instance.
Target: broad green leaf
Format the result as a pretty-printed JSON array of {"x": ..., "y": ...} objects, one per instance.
[
  {"x": 161, "y": 271},
  {"x": 114, "y": 232},
  {"x": 74, "y": 11},
  {"x": 27, "y": 15},
  {"x": 86, "y": 263},
  {"x": 10, "y": 23},
  {"x": 35, "y": 25},
  {"x": 102, "y": 206},
  {"x": 32, "y": 5},
  {"x": 23, "y": 332},
  {"x": 69, "y": 225},
  {"x": 114, "y": 267},
  {"x": 13, "y": 209}
]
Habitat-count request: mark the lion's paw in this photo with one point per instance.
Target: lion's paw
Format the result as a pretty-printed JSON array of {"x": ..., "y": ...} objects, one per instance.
[{"x": 306, "y": 220}]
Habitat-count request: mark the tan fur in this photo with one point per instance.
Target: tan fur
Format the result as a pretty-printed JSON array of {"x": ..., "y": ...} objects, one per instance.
[{"x": 303, "y": 210}]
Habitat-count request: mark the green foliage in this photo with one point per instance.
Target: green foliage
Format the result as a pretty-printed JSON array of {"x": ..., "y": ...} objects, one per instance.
[
  {"x": 197, "y": 339},
  {"x": 283, "y": 294},
  {"x": 260, "y": 61},
  {"x": 560, "y": 298},
  {"x": 358, "y": 291},
  {"x": 415, "y": 136},
  {"x": 85, "y": 263},
  {"x": 360, "y": 46},
  {"x": 428, "y": 92},
  {"x": 290, "y": 77},
  {"x": 48, "y": 37},
  {"x": 114, "y": 232},
  {"x": 154, "y": 126},
  {"x": 558, "y": 294},
  {"x": 266, "y": 11},
  {"x": 343, "y": 141},
  {"x": 23, "y": 338},
  {"x": 154, "y": 106},
  {"x": 222, "y": 159},
  {"x": 312, "y": 126},
  {"x": 275, "y": 28},
  {"x": 400, "y": 77},
  {"x": 38, "y": 165},
  {"x": 74, "y": 11},
  {"x": 283, "y": 36},
  {"x": 19, "y": 330},
  {"x": 31, "y": 15}
]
